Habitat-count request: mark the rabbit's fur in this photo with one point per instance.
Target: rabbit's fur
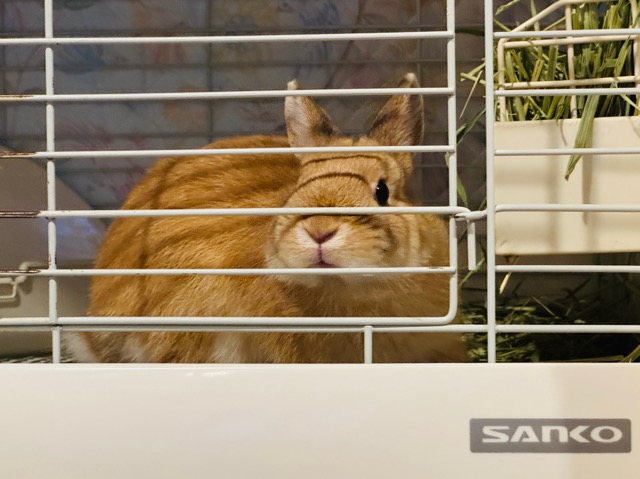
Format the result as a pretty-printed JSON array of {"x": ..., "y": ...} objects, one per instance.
[{"x": 244, "y": 181}]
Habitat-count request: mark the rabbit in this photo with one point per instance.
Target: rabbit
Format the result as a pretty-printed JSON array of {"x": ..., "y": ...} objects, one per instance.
[{"x": 284, "y": 241}]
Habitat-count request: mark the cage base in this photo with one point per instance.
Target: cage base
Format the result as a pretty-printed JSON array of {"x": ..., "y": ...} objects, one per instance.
[{"x": 102, "y": 421}]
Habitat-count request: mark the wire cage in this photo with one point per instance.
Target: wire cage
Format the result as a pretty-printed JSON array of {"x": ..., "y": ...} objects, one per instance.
[{"x": 94, "y": 92}]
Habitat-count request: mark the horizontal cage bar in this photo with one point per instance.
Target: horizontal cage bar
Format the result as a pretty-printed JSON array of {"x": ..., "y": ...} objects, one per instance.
[
  {"x": 569, "y": 92},
  {"x": 568, "y": 268},
  {"x": 228, "y": 151},
  {"x": 569, "y": 328},
  {"x": 568, "y": 208},
  {"x": 214, "y": 95},
  {"x": 381, "y": 210},
  {"x": 52, "y": 273},
  {"x": 569, "y": 151},
  {"x": 304, "y": 37},
  {"x": 245, "y": 322},
  {"x": 565, "y": 41},
  {"x": 237, "y": 324},
  {"x": 628, "y": 32},
  {"x": 519, "y": 328},
  {"x": 570, "y": 83},
  {"x": 461, "y": 213}
]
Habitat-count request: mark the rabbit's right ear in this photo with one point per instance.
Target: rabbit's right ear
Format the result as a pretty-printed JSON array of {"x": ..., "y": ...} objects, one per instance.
[
  {"x": 308, "y": 125},
  {"x": 401, "y": 120}
]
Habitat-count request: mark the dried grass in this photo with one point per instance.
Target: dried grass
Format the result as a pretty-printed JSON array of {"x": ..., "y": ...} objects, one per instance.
[{"x": 591, "y": 60}]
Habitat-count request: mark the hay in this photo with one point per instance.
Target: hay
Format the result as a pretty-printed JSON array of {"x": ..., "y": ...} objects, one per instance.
[
  {"x": 591, "y": 60},
  {"x": 602, "y": 299}
]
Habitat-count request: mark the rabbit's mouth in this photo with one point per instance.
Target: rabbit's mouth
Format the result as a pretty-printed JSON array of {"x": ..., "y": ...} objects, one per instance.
[{"x": 323, "y": 264}]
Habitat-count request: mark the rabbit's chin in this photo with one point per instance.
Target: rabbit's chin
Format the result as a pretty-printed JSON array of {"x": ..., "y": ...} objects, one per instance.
[
  {"x": 332, "y": 281},
  {"x": 323, "y": 280}
]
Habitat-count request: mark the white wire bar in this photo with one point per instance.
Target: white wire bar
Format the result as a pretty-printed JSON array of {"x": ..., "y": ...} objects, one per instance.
[
  {"x": 214, "y": 95},
  {"x": 378, "y": 210},
  {"x": 601, "y": 37},
  {"x": 452, "y": 124},
  {"x": 40, "y": 324},
  {"x": 568, "y": 268},
  {"x": 419, "y": 50},
  {"x": 572, "y": 82},
  {"x": 569, "y": 151},
  {"x": 472, "y": 261},
  {"x": 490, "y": 182},
  {"x": 368, "y": 344},
  {"x": 603, "y": 34},
  {"x": 518, "y": 328},
  {"x": 569, "y": 208},
  {"x": 133, "y": 323},
  {"x": 562, "y": 91},
  {"x": 284, "y": 38},
  {"x": 636, "y": 43},
  {"x": 570, "y": 328},
  {"x": 231, "y": 271},
  {"x": 274, "y": 324},
  {"x": 472, "y": 216},
  {"x": 452, "y": 140},
  {"x": 51, "y": 182},
  {"x": 230, "y": 151}
]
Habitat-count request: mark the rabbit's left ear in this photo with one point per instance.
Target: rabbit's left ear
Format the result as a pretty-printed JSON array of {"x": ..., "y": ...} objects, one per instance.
[
  {"x": 307, "y": 123},
  {"x": 401, "y": 120}
]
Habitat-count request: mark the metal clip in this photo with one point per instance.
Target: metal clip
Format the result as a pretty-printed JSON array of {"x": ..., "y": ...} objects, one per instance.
[{"x": 471, "y": 217}]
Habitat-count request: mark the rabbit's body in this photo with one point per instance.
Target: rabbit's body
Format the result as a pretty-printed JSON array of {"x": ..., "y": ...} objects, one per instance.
[{"x": 250, "y": 181}]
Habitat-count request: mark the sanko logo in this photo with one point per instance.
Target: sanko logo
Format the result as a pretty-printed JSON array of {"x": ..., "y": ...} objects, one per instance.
[{"x": 551, "y": 435}]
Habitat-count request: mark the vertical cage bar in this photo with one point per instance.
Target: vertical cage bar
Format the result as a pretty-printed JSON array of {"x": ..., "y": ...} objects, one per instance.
[
  {"x": 490, "y": 119},
  {"x": 451, "y": 104},
  {"x": 3, "y": 79},
  {"x": 570, "y": 60},
  {"x": 56, "y": 344},
  {"x": 51, "y": 181},
  {"x": 210, "y": 69},
  {"x": 636, "y": 46},
  {"x": 419, "y": 49},
  {"x": 500, "y": 54},
  {"x": 453, "y": 158},
  {"x": 368, "y": 344},
  {"x": 472, "y": 260}
]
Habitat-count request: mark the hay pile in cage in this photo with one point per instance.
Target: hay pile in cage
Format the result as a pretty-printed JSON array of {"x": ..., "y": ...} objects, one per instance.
[{"x": 603, "y": 299}]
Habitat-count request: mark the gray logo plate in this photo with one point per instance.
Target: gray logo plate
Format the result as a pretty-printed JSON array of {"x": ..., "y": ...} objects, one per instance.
[{"x": 551, "y": 435}]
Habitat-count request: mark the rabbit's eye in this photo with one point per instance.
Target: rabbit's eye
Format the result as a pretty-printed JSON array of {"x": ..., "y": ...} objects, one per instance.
[{"x": 382, "y": 193}]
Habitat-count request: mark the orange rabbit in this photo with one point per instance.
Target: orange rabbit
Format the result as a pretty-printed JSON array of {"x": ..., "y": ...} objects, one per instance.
[{"x": 286, "y": 241}]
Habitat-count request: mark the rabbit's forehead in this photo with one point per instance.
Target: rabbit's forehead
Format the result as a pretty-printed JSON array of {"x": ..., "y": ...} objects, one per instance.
[{"x": 372, "y": 166}]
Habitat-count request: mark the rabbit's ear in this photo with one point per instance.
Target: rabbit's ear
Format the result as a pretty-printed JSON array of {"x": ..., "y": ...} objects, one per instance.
[
  {"x": 401, "y": 120},
  {"x": 307, "y": 123}
]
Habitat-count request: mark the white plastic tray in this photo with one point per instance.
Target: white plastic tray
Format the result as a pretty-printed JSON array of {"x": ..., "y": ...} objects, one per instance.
[{"x": 410, "y": 421}]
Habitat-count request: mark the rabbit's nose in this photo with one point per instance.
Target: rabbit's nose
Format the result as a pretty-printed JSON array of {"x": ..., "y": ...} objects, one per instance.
[{"x": 320, "y": 237}]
